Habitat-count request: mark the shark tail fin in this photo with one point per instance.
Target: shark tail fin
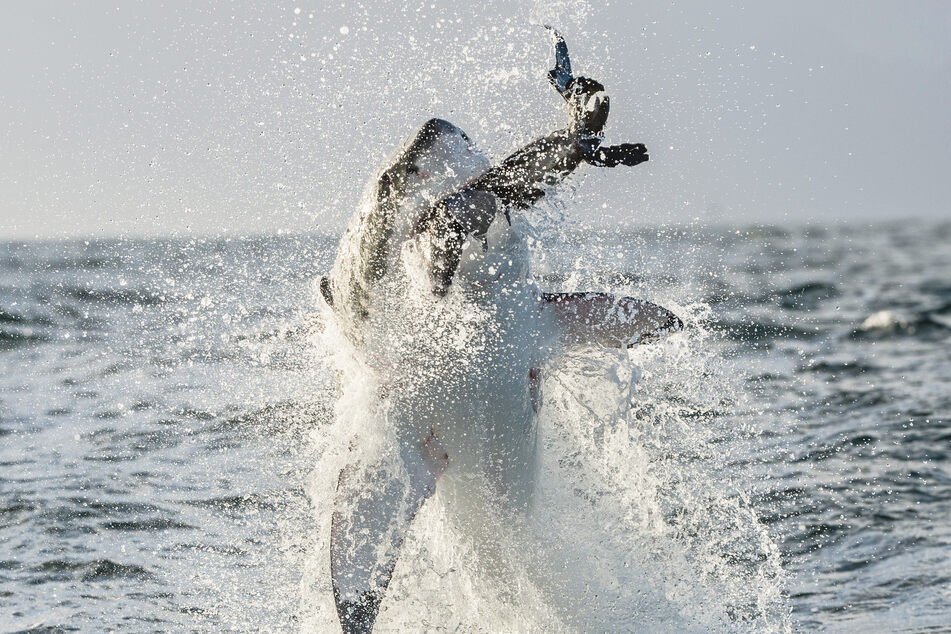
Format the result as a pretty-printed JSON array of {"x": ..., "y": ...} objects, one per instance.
[{"x": 373, "y": 509}]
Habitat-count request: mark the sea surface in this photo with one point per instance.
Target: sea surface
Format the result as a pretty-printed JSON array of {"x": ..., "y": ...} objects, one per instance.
[{"x": 784, "y": 465}]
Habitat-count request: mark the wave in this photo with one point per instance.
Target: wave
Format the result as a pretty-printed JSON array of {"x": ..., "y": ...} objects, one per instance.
[
  {"x": 889, "y": 324},
  {"x": 15, "y": 338},
  {"x": 58, "y": 570}
]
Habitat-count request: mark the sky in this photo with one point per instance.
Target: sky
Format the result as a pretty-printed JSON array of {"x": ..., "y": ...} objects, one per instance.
[{"x": 146, "y": 119}]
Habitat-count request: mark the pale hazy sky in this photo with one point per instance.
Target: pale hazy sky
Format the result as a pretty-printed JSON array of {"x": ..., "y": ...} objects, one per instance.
[{"x": 170, "y": 118}]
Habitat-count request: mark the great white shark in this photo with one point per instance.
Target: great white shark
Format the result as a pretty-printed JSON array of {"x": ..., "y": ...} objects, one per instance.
[{"x": 432, "y": 286}]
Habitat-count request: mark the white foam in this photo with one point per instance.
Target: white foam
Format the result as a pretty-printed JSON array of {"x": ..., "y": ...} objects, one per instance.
[
  {"x": 882, "y": 320},
  {"x": 634, "y": 526}
]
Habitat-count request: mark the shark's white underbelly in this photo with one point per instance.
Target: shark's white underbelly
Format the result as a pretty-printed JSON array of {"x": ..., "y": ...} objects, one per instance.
[{"x": 464, "y": 379}]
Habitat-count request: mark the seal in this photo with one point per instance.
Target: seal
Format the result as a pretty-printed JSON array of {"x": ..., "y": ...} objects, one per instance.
[{"x": 432, "y": 286}]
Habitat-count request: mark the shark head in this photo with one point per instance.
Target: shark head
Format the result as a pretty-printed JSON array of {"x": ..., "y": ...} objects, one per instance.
[{"x": 436, "y": 160}]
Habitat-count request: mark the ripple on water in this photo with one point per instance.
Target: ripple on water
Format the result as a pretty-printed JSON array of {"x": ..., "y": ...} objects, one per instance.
[
  {"x": 146, "y": 525},
  {"x": 88, "y": 571}
]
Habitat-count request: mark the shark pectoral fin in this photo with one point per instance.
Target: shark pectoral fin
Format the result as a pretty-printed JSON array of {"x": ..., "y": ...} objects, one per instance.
[
  {"x": 373, "y": 509},
  {"x": 612, "y": 321}
]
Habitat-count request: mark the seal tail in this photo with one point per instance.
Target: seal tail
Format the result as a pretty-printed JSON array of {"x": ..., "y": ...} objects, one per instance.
[{"x": 586, "y": 97}]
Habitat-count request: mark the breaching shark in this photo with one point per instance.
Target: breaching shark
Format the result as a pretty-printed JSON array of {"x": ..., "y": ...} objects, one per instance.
[{"x": 432, "y": 286}]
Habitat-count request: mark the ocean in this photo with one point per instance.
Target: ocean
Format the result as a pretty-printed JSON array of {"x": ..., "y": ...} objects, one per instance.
[{"x": 167, "y": 418}]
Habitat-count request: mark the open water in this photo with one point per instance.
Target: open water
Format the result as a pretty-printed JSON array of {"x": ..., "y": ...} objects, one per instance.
[{"x": 166, "y": 408}]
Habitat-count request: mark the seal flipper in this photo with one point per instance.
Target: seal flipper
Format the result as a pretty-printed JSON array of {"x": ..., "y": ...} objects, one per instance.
[
  {"x": 560, "y": 75},
  {"x": 373, "y": 509},
  {"x": 629, "y": 154},
  {"x": 609, "y": 320}
]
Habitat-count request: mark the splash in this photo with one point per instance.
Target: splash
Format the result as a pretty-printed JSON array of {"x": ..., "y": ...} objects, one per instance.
[{"x": 639, "y": 521}]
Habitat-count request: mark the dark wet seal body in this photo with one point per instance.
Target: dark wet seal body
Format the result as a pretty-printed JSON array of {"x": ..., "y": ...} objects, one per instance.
[{"x": 520, "y": 179}]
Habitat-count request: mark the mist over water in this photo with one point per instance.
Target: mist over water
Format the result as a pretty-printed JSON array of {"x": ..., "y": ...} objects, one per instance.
[{"x": 169, "y": 442}]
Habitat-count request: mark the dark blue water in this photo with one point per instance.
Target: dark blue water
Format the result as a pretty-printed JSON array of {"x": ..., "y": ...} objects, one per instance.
[{"x": 160, "y": 401}]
